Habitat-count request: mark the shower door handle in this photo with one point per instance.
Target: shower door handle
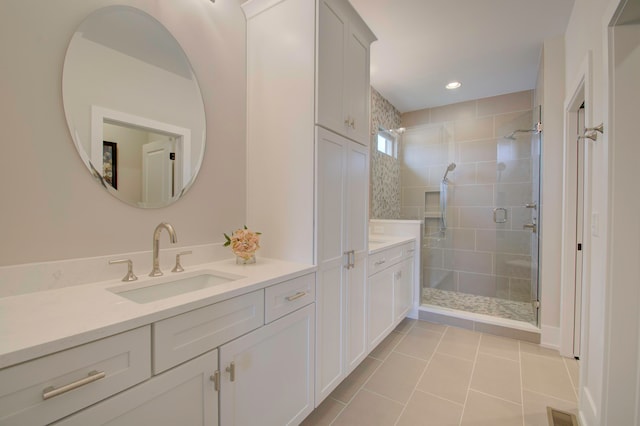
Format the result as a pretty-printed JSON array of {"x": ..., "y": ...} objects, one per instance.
[{"x": 532, "y": 226}]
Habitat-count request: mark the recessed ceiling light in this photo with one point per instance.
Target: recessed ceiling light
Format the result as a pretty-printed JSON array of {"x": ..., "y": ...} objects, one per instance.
[{"x": 453, "y": 85}]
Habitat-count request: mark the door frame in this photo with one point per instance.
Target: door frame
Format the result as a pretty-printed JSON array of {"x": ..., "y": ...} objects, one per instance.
[
  {"x": 100, "y": 115},
  {"x": 579, "y": 92}
]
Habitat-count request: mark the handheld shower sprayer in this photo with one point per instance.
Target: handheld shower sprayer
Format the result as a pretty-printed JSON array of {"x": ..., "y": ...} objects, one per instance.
[{"x": 451, "y": 167}]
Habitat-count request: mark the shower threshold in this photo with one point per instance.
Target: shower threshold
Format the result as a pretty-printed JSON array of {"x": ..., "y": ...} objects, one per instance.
[{"x": 486, "y": 314}]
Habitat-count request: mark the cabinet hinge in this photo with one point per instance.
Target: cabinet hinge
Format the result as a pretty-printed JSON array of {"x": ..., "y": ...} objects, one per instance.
[{"x": 579, "y": 246}]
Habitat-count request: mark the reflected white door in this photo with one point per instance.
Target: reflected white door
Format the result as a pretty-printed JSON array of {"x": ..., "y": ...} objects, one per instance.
[{"x": 157, "y": 172}]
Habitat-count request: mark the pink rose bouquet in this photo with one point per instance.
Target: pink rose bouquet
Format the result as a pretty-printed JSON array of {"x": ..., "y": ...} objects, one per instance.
[{"x": 244, "y": 242}]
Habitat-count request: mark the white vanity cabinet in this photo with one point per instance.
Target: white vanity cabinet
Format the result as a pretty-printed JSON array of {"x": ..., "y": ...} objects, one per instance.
[
  {"x": 45, "y": 389},
  {"x": 343, "y": 71},
  {"x": 184, "y": 395},
  {"x": 245, "y": 360},
  {"x": 389, "y": 289},
  {"x": 268, "y": 375},
  {"x": 342, "y": 192}
]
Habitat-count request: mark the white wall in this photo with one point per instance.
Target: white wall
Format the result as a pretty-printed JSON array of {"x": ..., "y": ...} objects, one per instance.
[
  {"x": 51, "y": 208},
  {"x": 110, "y": 79},
  {"x": 551, "y": 94},
  {"x": 599, "y": 389}
]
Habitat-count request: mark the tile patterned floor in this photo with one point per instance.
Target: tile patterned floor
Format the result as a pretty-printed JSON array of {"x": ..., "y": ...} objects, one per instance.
[
  {"x": 510, "y": 309},
  {"x": 436, "y": 375}
]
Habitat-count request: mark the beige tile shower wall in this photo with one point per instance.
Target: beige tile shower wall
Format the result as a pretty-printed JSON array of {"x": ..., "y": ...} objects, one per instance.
[
  {"x": 474, "y": 255},
  {"x": 385, "y": 170}
]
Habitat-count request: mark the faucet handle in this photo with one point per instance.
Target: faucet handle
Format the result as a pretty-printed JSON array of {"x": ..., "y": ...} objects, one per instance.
[
  {"x": 130, "y": 275},
  {"x": 178, "y": 267}
]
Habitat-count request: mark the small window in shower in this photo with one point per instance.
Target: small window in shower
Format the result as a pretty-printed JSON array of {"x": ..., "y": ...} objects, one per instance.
[{"x": 387, "y": 143}]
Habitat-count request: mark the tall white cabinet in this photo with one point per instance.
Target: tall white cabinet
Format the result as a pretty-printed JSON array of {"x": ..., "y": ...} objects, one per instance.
[
  {"x": 343, "y": 87},
  {"x": 308, "y": 167}
]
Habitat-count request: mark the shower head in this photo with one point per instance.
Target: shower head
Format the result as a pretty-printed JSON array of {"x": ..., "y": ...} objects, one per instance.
[{"x": 451, "y": 167}]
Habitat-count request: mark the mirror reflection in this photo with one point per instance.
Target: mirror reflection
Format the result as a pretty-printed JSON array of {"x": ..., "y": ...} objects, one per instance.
[{"x": 133, "y": 106}]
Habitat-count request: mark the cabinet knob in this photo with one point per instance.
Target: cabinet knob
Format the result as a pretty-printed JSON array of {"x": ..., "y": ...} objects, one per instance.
[
  {"x": 215, "y": 378},
  {"x": 351, "y": 259},
  {"x": 231, "y": 369},
  {"x": 350, "y": 122}
]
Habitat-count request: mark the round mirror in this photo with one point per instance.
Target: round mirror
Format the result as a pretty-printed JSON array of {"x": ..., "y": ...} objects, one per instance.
[{"x": 133, "y": 106}]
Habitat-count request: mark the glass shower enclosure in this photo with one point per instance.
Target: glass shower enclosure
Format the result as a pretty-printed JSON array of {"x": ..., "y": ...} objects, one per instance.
[{"x": 481, "y": 217}]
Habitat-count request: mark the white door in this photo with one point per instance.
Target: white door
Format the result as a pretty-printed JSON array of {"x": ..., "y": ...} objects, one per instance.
[
  {"x": 157, "y": 172},
  {"x": 268, "y": 374}
]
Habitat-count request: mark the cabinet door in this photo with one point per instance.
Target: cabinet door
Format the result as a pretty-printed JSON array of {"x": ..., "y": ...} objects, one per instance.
[
  {"x": 357, "y": 85},
  {"x": 403, "y": 289},
  {"x": 268, "y": 374},
  {"x": 331, "y": 278},
  {"x": 356, "y": 314},
  {"x": 380, "y": 306},
  {"x": 357, "y": 193},
  {"x": 184, "y": 396},
  {"x": 332, "y": 30}
]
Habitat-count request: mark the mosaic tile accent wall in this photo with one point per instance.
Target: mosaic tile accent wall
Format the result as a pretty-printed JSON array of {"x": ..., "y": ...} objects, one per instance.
[
  {"x": 385, "y": 170},
  {"x": 475, "y": 255}
]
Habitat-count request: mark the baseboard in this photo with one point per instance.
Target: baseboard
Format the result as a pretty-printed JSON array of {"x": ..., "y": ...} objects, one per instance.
[{"x": 550, "y": 337}]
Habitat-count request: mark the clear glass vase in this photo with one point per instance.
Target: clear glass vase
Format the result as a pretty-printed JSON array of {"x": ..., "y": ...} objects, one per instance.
[{"x": 242, "y": 261}]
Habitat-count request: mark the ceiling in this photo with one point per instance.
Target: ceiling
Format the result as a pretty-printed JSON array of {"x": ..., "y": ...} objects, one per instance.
[{"x": 491, "y": 46}]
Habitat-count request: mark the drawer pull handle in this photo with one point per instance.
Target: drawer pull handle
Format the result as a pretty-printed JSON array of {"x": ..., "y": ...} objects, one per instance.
[
  {"x": 296, "y": 296},
  {"x": 380, "y": 262},
  {"x": 51, "y": 392},
  {"x": 231, "y": 369}
]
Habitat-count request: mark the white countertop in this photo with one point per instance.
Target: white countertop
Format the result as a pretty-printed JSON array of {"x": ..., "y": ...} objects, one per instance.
[
  {"x": 36, "y": 324},
  {"x": 379, "y": 242}
]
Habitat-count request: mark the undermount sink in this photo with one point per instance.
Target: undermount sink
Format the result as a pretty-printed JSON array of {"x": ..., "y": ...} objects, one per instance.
[{"x": 151, "y": 291}]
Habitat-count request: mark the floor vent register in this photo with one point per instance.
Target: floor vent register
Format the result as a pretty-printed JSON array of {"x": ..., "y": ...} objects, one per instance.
[{"x": 561, "y": 418}]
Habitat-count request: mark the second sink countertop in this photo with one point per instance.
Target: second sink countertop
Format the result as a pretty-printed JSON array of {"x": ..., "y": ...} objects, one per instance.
[{"x": 379, "y": 242}]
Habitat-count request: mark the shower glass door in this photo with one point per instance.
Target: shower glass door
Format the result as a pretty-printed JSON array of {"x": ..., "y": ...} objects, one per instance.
[
  {"x": 481, "y": 255},
  {"x": 517, "y": 190}
]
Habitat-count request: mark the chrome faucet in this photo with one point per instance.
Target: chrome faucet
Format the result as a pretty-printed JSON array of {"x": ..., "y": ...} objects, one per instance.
[{"x": 156, "y": 272}]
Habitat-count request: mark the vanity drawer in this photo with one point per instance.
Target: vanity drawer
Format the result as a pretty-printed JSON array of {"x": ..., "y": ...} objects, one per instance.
[
  {"x": 74, "y": 378},
  {"x": 180, "y": 338},
  {"x": 408, "y": 250},
  {"x": 286, "y": 297},
  {"x": 385, "y": 258}
]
